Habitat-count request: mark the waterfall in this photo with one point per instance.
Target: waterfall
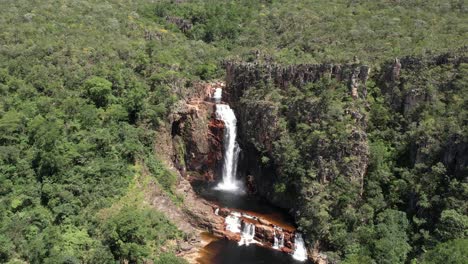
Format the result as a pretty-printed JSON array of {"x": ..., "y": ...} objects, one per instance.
[
  {"x": 278, "y": 242},
  {"x": 218, "y": 95},
  {"x": 231, "y": 148},
  {"x": 281, "y": 242},
  {"x": 233, "y": 222},
  {"x": 275, "y": 240},
  {"x": 278, "y": 238},
  {"x": 217, "y": 211},
  {"x": 248, "y": 234},
  {"x": 300, "y": 251}
]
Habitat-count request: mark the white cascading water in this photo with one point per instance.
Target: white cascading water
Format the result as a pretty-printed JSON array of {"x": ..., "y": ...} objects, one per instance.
[
  {"x": 275, "y": 240},
  {"x": 233, "y": 222},
  {"x": 217, "y": 211},
  {"x": 218, "y": 95},
  {"x": 231, "y": 148},
  {"x": 247, "y": 235},
  {"x": 278, "y": 242},
  {"x": 300, "y": 251}
]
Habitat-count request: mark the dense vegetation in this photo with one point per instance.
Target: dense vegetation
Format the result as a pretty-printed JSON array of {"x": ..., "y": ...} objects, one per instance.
[
  {"x": 414, "y": 192},
  {"x": 84, "y": 85}
]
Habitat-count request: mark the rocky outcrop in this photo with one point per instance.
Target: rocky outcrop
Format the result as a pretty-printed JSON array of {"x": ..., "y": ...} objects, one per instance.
[
  {"x": 412, "y": 83},
  {"x": 242, "y": 75},
  {"x": 194, "y": 214},
  {"x": 200, "y": 211},
  {"x": 265, "y": 230},
  {"x": 197, "y": 135},
  {"x": 183, "y": 24},
  {"x": 260, "y": 126},
  {"x": 403, "y": 92}
]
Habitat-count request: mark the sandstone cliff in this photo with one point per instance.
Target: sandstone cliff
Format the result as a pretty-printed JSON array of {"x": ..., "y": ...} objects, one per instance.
[
  {"x": 260, "y": 128},
  {"x": 412, "y": 83}
]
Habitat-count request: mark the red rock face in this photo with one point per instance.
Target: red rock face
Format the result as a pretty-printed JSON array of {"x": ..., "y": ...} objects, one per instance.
[
  {"x": 215, "y": 140},
  {"x": 197, "y": 134}
]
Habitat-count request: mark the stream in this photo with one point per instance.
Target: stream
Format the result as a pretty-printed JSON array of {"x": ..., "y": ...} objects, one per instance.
[{"x": 245, "y": 210}]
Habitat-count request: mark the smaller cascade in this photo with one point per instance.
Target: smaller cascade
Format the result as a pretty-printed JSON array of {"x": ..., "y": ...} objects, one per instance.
[
  {"x": 281, "y": 241},
  {"x": 275, "y": 240},
  {"x": 248, "y": 234},
  {"x": 216, "y": 211},
  {"x": 233, "y": 222},
  {"x": 300, "y": 251},
  {"x": 278, "y": 238},
  {"x": 218, "y": 95}
]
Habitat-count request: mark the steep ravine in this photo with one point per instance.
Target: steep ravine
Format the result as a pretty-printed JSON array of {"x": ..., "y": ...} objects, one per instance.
[
  {"x": 260, "y": 96},
  {"x": 191, "y": 147},
  {"x": 195, "y": 144}
]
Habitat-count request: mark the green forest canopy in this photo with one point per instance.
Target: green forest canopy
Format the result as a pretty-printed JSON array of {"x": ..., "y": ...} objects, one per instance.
[{"x": 85, "y": 84}]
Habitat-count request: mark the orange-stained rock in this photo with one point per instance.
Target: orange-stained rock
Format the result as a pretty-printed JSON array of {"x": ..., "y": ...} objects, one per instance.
[
  {"x": 231, "y": 236},
  {"x": 197, "y": 139},
  {"x": 224, "y": 212},
  {"x": 215, "y": 140},
  {"x": 264, "y": 221}
]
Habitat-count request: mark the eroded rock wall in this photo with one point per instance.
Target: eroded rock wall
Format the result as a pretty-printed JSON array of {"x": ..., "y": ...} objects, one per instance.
[
  {"x": 412, "y": 83},
  {"x": 197, "y": 135},
  {"x": 260, "y": 122},
  {"x": 242, "y": 75}
]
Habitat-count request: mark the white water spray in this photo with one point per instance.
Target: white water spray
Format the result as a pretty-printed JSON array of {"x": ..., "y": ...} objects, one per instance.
[
  {"x": 233, "y": 222},
  {"x": 247, "y": 235},
  {"x": 231, "y": 148},
  {"x": 218, "y": 95},
  {"x": 300, "y": 251},
  {"x": 278, "y": 241}
]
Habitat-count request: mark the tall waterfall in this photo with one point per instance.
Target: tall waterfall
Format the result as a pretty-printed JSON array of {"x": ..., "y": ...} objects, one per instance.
[
  {"x": 300, "y": 251},
  {"x": 248, "y": 234},
  {"x": 231, "y": 148}
]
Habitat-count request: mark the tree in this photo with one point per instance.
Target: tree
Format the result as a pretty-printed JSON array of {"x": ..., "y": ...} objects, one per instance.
[
  {"x": 98, "y": 90},
  {"x": 131, "y": 232},
  {"x": 450, "y": 252},
  {"x": 452, "y": 225},
  {"x": 391, "y": 241}
]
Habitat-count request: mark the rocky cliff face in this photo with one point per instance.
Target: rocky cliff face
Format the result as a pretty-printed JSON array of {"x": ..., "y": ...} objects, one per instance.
[
  {"x": 193, "y": 147},
  {"x": 411, "y": 83},
  {"x": 197, "y": 135},
  {"x": 240, "y": 76},
  {"x": 259, "y": 120},
  {"x": 404, "y": 92}
]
